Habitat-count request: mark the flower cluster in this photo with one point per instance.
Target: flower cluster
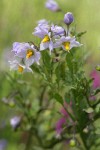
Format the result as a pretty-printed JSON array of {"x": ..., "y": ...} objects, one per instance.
[
  {"x": 52, "y": 37},
  {"x": 24, "y": 56}
]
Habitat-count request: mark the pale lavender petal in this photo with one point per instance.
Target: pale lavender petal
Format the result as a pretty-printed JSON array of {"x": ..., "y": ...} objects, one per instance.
[
  {"x": 39, "y": 34},
  {"x": 50, "y": 46},
  {"x": 29, "y": 61},
  {"x": 28, "y": 69},
  {"x": 37, "y": 57},
  {"x": 44, "y": 46},
  {"x": 57, "y": 44},
  {"x": 41, "y": 30},
  {"x": 52, "y": 5},
  {"x": 57, "y": 30},
  {"x": 20, "y": 49},
  {"x": 15, "y": 121},
  {"x": 43, "y": 21},
  {"x": 75, "y": 44},
  {"x": 13, "y": 64}
]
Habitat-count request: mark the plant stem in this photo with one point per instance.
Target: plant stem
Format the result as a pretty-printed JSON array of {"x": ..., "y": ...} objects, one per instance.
[
  {"x": 28, "y": 144},
  {"x": 67, "y": 30},
  {"x": 83, "y": 140},
  {"x": 42, "y": 95},
  {"x": 71, "y": 116},
  {"x": 88, "y": 100}
]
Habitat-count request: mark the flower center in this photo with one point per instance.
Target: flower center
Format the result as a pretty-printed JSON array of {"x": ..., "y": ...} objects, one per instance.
[
  {"x": 46, "y": 39},
  {"x": 67, "y": 45},
  {"x": 29, "y": 53},
  {"x": 20, "y": 69}
]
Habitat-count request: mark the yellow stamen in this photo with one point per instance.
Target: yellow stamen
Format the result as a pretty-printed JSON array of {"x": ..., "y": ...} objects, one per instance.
[
  {"x": 29, "y": 53},
  {"x": 67, "y": 45},
  {"x": 20, "y": 69},
  {"x": 46, "y": 39}
]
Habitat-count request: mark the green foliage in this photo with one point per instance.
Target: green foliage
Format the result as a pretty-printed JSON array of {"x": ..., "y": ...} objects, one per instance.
[
  {"x": 57, "y": 79},
  {"x": 58, "y": 98}
]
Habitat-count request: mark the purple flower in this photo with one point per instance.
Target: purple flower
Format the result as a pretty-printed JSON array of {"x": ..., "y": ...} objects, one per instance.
[
  {"x": 42, "y": 29},
  {"x": 65, "y": 119},
  {"x": 67, "y": 43},
  {"x": 61, "y": 122},
  {"x": 15, "y": 122},
  {"x": 15, "y": 65},
  {"x": 96, "y": 82},
  {"x": 3, "y": 144},
  {"x": 47, "y": 42},
  {"x": 27, "y": 52},
  {"x": 52, "y": 5},
  {"x": 32, "y": 56},
  {"x": 20, "y": 48},
  {"x": 57, "y": 30},
  {"x": 59, "y": 125},
  {"x": 68, "y": 18},
  {"x": 64, "y": 113},
  {"x": 42, "y": 22}
]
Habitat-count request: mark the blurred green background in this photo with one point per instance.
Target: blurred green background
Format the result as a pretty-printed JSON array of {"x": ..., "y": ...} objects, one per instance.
[{"x": 17, "y": 21}]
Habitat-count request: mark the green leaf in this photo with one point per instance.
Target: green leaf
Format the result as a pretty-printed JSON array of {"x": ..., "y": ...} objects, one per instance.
[
  {"x": 96, "y": 91},
  {"x": 80, "y": 34},
  {"x": 63, "y": 70},
  {"x": 58, "y": 73},
  {"x": 67, "y": 98},
  {"x": 90, "y": 80},
  {"x": 97, "y": 109},
  {"x": 58, "y": 98},
  {"x": 46, "y": 59},
  {"x": 35, "y": 68},
  {"x": 69, "y": 62}
]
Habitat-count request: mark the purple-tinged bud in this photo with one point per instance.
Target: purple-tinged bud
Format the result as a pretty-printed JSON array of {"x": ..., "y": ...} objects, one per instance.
[
  {"x": 68, "y": 18},
  {"x": 15, "y": 122},
  {"x": 52, "y": 5}
]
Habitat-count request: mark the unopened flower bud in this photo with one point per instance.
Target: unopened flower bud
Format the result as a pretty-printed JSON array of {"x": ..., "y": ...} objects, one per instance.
[
  {"x": 68, "y": 18},
  {"x": 98, "y": 67},
  {"x": 72, "y": 143},
  {"x": 86, "y": 130},
  {"x": 52, "y": 5},
  {"x": 11, "y": 103}
]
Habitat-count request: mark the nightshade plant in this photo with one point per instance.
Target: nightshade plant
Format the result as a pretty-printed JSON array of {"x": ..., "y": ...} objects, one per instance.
[{"x": 57, "y": 62}]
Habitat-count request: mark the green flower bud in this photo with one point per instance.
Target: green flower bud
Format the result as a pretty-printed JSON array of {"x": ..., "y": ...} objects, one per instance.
[
  {"x": 72, "y": 143},
  {"x": 85, "y": 130},
  {"x": 11, "y": 103},
  {"x": 97, "y": 67}
]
